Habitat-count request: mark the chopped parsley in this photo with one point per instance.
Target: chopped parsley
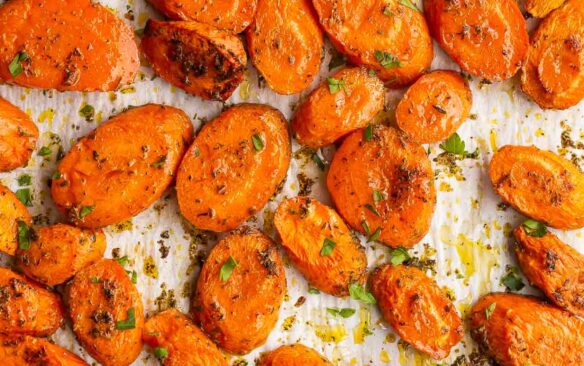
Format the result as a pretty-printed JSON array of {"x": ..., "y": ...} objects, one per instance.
[
  {"x": 160, "y": 353},
  {"x": 85, "y": 210},
  {"x": 336, "y": 85},
  {"x": 44, "y": 151},
  {"x": 490, "y": 310},
  {"x": 227, "y": 269},
  {"x": 342, "y": 313},
  {"x": 372, "y": 209},
  {"x": 375, "y": 235},
  {"x": 87, "y": 112},
  {"x": 368, "y": 133},
  {"x": 534, "y": 228},
  {"x": 24, "y": 180},
  {"x": 23, "y": 235},
  {"x": 15, "y": 66},
  {"x": 399, "y": 256},
  {"x": 327, "y": 247},
  {"x": 456, "y": 146},
  {"x": 258, "y": 144},
  {"x": 512, "y": 280},
  {"x": 409, "y": 4},
  {"x": 23, "y": 196},
  {"x": 129, "y": 323},
  {"x": 378, "y": 196},
  {"x": 357, "y": 292},
  {"x": 387, "y": 60}
]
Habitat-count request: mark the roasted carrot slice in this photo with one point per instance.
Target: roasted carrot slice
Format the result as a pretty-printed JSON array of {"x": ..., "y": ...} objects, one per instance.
[
  {"x": 107, "y": 313},
  {"x": 390, "y": 37},
  {"x": 434, "y": 107},
  {"x": 14, "y": 220},
  {"x": 239, "y": 291},
  {"x": 286, "y": 44},
  {"x": 486, "y": 38},
  {"x": 195, "y": 57},
  {"x": 180, "y": 342},
  {"x": 18, "y": 137},
  {"x": 26, "y": 307},
  {"x": 417, "y": 309},
  {"x": 233, "y": 168},
  {"x": 123, "y": 166},
  {"x": 65, "y": 45},
  {"x": 554, "y": 74},
  {"x": 521, "y": 330},
  {"x": 233, "y": 16},
  {"x": 383, "y": 186},
  {"x": 293, "y": 355},
  {"x": 553, "y": 266},
  {"x": 320, "y": 245},
  {"x": 345, "y": 102},
  {"x": 30, "y": 351},
  {"x": 540, "y": 185},
  {"x": 57, "y": 252},
  {"x": 541, "y": 8}
]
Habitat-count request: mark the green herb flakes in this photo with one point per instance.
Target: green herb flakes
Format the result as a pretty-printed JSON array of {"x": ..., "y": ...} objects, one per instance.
[
  {"x": 24, "y": 196},
  {"x": 368, "y": 133},
  {"x": 378, "y": 196},
  {"x": 336, "y": 85},
  {"x": 258, "y": 143},
  {"x": 341, "y": 313},
  {"x": 387, "y": 60},
  {"x": 85, "y": 210},
  {"x": 534, "y": 228},
  {"x": 490, "y": 310},
  {"x": 87, "y": 112},
  {"x": 23, "y": 235},
  {"x": 372, "y": 209},
  {"x": 399, "y": 256},
  {"x": 160, "y": 353},
  {"x": 44, "y": 151},
  {"x": 357, "y": 292},
  {"x": 375, "y": 235},
  {"x": 24, "y": 180},
  {"x": 129, "y": 323},
  {"x": 227, "y": 269},
  {"x": 15, "y": 66},
  {"x": 327, "y": 247},
  {"x": 409, "y": 4},
  {"x": 512, "y": 280}
]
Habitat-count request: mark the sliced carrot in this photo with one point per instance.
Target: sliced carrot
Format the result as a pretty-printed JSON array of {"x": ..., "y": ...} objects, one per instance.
[
  {"x": 65, "y": 45},
  {"x": 30, "y": 351},
  {"x": 540, "y": 185},
  {"x": 13, "y": 215},
  {"x": 293, "y": 355},
  {"x": 390, "y": 37},
  {"x": 541, "y": 8},
  {"x": 195, "y": 57},
  {"x": 434, "y": 107},
  {"x": 554, "y": 74},
  {"x": 286, "y": 44},
  {"x": 487, "y": 39},
  {"x": 18, "y": 137}
]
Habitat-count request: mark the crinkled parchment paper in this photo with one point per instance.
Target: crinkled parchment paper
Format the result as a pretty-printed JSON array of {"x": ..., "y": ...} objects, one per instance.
[{"x": 467, "y": 249}]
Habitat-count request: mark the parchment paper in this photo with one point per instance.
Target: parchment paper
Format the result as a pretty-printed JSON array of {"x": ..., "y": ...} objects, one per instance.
[{"x": 469, "y": 239}]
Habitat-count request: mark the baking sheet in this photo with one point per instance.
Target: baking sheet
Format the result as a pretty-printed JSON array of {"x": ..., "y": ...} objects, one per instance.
[{"x": 467, "y": 249}]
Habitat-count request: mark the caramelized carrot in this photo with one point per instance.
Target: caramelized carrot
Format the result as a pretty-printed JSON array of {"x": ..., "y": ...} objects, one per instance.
[
  {"x": 434, "y": 107},
  {"x": 14, "y": 219},
  {"x": 293, "y": 355},
  {"x": 18, "y": 137},
  {"x": 195, "y": 57},
  {"x": 286, "y": 44},
  {"x": 487, "y": 39},
  {"x": 541, "y": 8},
  {"x": 383, "y": 186},
  {"x": 26, "y": 307},
  {"x": 65, "y": 45},
  {"x": 554, "y": 74},
  {"x": 540, "y": 185},
  {"x": 389, "y": 37},
  {"x": 29, "y": 351}
]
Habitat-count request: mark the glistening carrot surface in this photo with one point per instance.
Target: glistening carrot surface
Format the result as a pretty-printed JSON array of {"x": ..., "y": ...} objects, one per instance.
[
  {"x": 181, "y": 341},
  {"x": 381, "y": 181},
  {"x": 553, "y": 266},
  {"x": 417, "y": 309},
  {"x": 65, "y": 45},
  {"x": 320, "y": 245},
  {"x": 27, "y": 308},
  {"x": 519, "y": 330},
  {"x": 286, "y": 44},
  {"x": 487, "y": 39},
  {"x": 434, "y": 107},
  {"x": 540, "y": 185},
  {"x": 345, "y": 102},
  {"x": 13, "y": 214},
  {"x": 123, "y": 166},
  {"x": 554, "y": 73},
  {"x": 388, "y": 37},
  {"x": 58, "y": 252},
  {"x": 30, "y": 351},
  {"x": 195, "y": 57},
  {"x": 293, "y": 355},
  {"x": 233, "y": 167},
  {"x": 107, "y": 313},
  {"x": 541, "y": 8},
  {"x": 229, "y": 15},
  {"x": 18, "y": 137},
  {"x": 239, "y": 291}
]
